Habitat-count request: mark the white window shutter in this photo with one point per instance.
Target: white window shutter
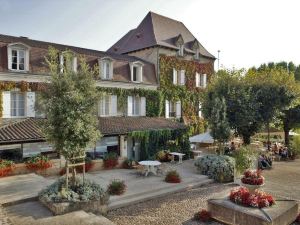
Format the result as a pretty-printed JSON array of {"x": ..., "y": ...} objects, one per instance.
[
  {"x": 75, "y": 64},
  {"x": 204, "y": 80},
  {"x": 27, "y": 60},
  {"x": 131, "y": 71},
  {"x": 143, "y": 106},
  {"x": 197, "y": 79},
  {"x": 30, "y": 103},
  {"x": 174, "y": 76},
  {"x": 141, "y": 73},
  {"x": 129, "y": 106},
  {"x": 114, "y": 105},
  {"x": 9, "y": 59},
  {"x": 6, "y": 104},
  {"x": 167, "y": 109},
  {"x": 61, "y": 62},
  {"x": 100, "y": 108},
  {"x": 178, "y": 109},
  {"x": 111, "y": 70},
  {"x": 182, "y": 77},
  {"x": 200, "y": 110}
]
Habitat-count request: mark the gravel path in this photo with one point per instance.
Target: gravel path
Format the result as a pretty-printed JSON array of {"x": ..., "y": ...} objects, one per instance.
[
  {"x": 3, "y": 218},
  {"x": 175, "y": 209}
]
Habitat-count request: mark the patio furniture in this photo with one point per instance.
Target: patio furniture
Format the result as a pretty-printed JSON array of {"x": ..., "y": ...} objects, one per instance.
[
  {"x": 180, "y": 155},
  {"x": 140, "y": 170},
  {"x": 162, "y": 169},
  {"x": 150, "y": 166}
]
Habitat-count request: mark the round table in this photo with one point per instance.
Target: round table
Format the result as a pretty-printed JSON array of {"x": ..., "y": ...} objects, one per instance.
[
  {"x": 180, "y": 155},
  {"x": 150, "y": 166}
]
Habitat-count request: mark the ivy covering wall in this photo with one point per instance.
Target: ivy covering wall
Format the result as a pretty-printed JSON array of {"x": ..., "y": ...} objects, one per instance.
[
  {"x": 153, "y": 141},
  {"x": 189, "y": 95}
]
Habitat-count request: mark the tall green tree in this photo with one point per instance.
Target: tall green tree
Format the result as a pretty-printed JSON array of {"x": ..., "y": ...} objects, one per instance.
[
  {"x": 291, "y": 120},
  {"x": 70, "y": 103},
  {"x": 297, "y": 73},
  {"x": 218, "y": 121}
]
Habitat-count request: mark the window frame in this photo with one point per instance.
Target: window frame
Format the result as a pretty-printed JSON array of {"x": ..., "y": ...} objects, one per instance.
[
  {"x": 106, "y": 68},
  {"x": 18, "y": 47},
  {"x": 17, "y": 101},
  {"x": 174, "y": 105},
  {"x": 138, "y": 67},
  {"x": 106, "y": 105},
  {"x": 136, "y": 104}
]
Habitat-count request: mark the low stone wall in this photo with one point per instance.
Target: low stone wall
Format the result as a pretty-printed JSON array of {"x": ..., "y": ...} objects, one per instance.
[{"x": 97, "y": 206}]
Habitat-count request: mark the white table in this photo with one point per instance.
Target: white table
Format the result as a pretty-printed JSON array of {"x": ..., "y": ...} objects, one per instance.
[
  {"x": 150, "y": 166},
  {"x": 180, "y": 155}
]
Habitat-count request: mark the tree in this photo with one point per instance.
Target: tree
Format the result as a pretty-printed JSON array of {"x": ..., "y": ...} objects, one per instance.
[
  {"x": 219, "y": 125},
  {"x": 241, "y": 110},
  {"x": 291, "y": 120},
  {"x": 297, "y": 73},
  {"x": 70, "y": 103}
]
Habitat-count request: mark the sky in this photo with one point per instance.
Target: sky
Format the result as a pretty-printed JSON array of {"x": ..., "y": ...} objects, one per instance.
[{"x": 247, "y": 32}]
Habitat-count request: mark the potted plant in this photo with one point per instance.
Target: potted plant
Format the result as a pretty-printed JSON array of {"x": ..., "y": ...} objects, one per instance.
[
  {"x": 110, "y": 160},
  {"x": 117, "y": 187},
  {"x": 38, "y": 162},
  {"x": 172, "y": 177},
  {"x": 252, "y": 180}
]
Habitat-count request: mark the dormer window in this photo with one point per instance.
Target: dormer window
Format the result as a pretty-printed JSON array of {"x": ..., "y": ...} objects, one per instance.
[
  {"x": 197, "y": 54},
  {"x": 136, "y": 70},
  {"x": 68, "y": 61},
  {"x": 106, "y": 68},
  {"x": 18, "y": 57},
  {"x": 181, "y": 50}
]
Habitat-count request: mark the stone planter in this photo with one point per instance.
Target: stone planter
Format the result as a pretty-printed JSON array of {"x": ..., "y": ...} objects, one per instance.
[
  {"x": 59, "y": 208},
  {"x": 252, "y": 188}
]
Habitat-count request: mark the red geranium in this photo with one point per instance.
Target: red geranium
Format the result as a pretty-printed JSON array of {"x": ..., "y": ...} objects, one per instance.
[
  {"x": 203, "y": 216},
  {"x": 253, "y": 177},
  {"x": 259, "y": 199}
]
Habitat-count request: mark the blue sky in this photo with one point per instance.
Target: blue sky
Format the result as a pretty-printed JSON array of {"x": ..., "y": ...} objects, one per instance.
[{"x": 247, "y": 32}]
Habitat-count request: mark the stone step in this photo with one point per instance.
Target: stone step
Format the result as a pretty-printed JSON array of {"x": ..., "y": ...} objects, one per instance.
[
  {"x": 73, "y": 218},
  {"x": 134, "y": 195},
  {"x": 119, "y": 203}
]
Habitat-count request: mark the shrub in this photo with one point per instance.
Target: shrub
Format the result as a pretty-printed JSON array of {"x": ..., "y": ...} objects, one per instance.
[
  {"x": 295, "y": 146},
  {"x": 38, "y": 162},
  {"x": 244, "y": 158},
  {"x": 117, "y": 187},
  {"x": 217, "y": 167},
  {"x": 128, "y": 164},
  {"x": 172, "y": 177},
  {"x": 110, "y": 160},
  {"x": 6, "y": 167},
  {"x": 163, "y": 156},
  {"x": 86, "y": 191},
  {"x": 203, "y": 216}
]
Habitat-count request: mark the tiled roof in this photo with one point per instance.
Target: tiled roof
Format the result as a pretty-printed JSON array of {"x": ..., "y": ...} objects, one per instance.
[
  {"x": 124, "y": 125},
  {"x": 20, "y": 131},
  {"x": 13, "y": 131},
  {"x": 156, "y": 30}
]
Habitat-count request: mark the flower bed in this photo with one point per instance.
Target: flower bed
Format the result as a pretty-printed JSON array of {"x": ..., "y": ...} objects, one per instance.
[
  {"x": 173, "y": 177},
  {"x": 253, "y": 177},
  {"x": 38, "y": 162},
  {"x": 6, "y": 167},
  {"x": 110, "y": 161},
  {"x": 259, "y": 199}
]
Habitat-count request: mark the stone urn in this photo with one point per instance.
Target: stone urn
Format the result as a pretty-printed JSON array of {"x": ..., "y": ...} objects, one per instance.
[{"x": 252, "y": 188}]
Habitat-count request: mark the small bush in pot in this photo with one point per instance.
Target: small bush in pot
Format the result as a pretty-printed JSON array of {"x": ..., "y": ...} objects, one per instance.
[
  {"x": 129, "y": 164},
  {"x": 203, "y": 216},
  {"x": 110, "y": 160},
  {"x": 172, "y": 177},
  {"x": 38, "y": 162},
  {"x": 117, "y": 187}
]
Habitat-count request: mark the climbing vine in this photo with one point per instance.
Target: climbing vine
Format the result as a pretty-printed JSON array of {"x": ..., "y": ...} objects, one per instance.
[
  {"x": 189, "y": 95},
  {"x": 153, "y": 141}
]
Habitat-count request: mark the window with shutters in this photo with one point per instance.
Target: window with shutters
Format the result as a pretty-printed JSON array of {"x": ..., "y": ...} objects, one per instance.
[
  {"x": 200, "y": 80},
  {"x": 178, "y": 77},
  {"x": 136, "y": 106},
  {"x": 106, "y": 71},
  {"x": 17, "y": 104},
  {"x": 181, "y": 50},
  {"x": 105, "y": 106},
  {"x": 18, "y": 57},
  {"x": 68, "y": 61}
]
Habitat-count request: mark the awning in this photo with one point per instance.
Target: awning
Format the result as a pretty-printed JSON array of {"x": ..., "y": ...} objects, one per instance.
[{"x": 202, "y": 138}]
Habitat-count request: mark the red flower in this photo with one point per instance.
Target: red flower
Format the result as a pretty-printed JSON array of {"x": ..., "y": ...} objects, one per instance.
[{"x": 203, "y": 216}]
